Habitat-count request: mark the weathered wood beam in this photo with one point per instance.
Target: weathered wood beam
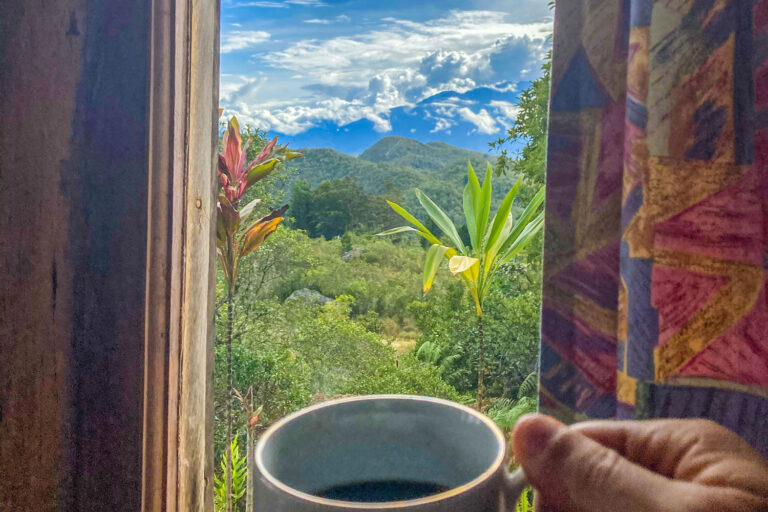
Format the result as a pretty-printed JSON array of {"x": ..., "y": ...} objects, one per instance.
[{"x": 107, "y": 195}]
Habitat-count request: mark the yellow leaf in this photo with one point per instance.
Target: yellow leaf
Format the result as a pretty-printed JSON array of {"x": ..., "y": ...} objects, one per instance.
[
  {"x": 255, "y": 236},
  {"x": 465, "y": 265}
]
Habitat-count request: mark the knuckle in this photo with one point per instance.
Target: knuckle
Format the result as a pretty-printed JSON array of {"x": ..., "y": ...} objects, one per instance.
[{"x": 600, "y": 467}]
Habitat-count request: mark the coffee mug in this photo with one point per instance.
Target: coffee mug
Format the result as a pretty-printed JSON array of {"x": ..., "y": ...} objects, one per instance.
[{"x": 384, "y": 452}]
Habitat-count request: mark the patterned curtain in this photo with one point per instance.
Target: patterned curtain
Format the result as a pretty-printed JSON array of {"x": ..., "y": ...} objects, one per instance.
[{"x": 656, "y": 245}]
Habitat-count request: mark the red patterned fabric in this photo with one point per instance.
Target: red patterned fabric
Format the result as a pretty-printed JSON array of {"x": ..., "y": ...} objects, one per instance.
[{"x": 656, "y": 250}]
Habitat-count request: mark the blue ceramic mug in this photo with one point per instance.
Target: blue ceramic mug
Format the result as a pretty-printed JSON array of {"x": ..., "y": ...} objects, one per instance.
[{"x": 385, "y": 453}]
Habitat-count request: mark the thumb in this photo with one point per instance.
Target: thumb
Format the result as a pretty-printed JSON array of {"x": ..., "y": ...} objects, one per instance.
[{"x": 573, "y": 472}]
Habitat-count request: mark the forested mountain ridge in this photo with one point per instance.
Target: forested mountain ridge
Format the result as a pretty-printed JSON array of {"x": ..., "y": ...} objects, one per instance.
[
  {"x": 395, "y": 166},
  {"x": 412, "y": 153}
]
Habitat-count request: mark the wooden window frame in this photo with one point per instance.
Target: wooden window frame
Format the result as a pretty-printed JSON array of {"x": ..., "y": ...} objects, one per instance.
[{"x": 177, "y": 470}]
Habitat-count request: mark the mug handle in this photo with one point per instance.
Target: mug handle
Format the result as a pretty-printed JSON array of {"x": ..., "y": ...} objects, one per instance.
[{"x": 514, "y": 484}]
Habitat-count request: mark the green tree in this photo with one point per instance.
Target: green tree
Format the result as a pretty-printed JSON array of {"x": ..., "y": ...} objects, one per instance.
[
  {"x": 530, "y": 129},
  {"x": 337, "y": 206},
  {"x": 494, "y": 243}
]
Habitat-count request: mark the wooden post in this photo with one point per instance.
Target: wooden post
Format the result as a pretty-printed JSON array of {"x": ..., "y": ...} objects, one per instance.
[{"x": 107, "y": 200}]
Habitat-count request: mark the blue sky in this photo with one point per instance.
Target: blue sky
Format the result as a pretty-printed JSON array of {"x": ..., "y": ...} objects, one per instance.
[{"x": 290, "y": 66}]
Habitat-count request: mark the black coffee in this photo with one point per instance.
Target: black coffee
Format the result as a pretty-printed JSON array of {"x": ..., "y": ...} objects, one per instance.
[{"x": 384, "y": 490}]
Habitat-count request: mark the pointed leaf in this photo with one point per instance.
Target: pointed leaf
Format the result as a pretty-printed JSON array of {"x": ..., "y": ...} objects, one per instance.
[
  {"x": 522, "y": 222},
  {"x": 394, "y": 231},
  {"x": 232, "y": 146},
  {"x": 483, "y": 210},
  {"x": 256, "y": 235},
  {"x": 470, "y": 199},
  {"x": 525, "y": 237},
  {"x": 434, "y": 256},
  {"x": 259, "y": 172},
  {"x": 290, "y": 155},
  {"x": 502, "y": 216},
  {"x": 267, "y": 150},
  {"x": 423, "y": 231},
  {"x": 440, "y": 218}
]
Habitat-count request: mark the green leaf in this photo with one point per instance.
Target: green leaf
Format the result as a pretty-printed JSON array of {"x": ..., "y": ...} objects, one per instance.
[
  {"x": 423, "y": 231},
  {"x": 501, "y": 216},
  {"x": 434, "y": 255},
  {"x": 523, "y": 221},
  {"x": 440, "y": 218},
  {"x": 394, "y": 231},
  {"x": 526, "y": 237},
  {"x": 471, "y": 198},
  {"x": 429, "y": 237},
  {"x": 259, "y": 172},
  {"x": 483, "y": 209}
]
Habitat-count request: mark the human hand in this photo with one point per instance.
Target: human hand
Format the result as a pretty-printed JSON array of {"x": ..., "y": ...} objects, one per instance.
[{"x": 652, "y": 465}]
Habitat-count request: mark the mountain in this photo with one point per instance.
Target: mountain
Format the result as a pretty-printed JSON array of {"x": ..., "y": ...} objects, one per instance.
[
  {"x": 395, "y": 166},
  {"x": 469, "y": 120},
  {"x": 412, "y": 153}
]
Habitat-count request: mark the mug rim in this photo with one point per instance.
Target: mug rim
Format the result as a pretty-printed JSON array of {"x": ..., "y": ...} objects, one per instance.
[{"x": 454, "y": 491}]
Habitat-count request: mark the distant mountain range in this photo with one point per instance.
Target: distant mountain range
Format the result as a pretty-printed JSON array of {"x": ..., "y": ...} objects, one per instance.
[
  {"x": 470, "y": 120},
  {"x": 395, "y": 166}
]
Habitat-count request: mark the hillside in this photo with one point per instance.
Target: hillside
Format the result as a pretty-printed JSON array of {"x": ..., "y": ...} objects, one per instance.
[
  {"x": 412, "y": 153},
  {"x": 437, "y": 168}
]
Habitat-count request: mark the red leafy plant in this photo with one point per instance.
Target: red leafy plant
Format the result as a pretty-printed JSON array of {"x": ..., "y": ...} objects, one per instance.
[
  {"x": 233, "y": 242},
  {"x": 236, "y": 176}
]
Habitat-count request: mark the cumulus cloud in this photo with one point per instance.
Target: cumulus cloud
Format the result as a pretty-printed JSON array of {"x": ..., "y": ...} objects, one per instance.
[
  {"x": 397, "y": 63},
  {"x": 482, "y": 120},
  {"x": 242, "y": 39},
  {"x": 442, "y": 66},
  {"x": 400, "y": 44},
  {"x": 505, "y": 109},
  {"x": 515, "y": 55}
]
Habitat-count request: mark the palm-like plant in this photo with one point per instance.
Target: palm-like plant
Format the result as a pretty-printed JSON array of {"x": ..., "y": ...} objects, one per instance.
[
  {"x": 236, "y": 176},
  {"x": 493, "y": 242}
]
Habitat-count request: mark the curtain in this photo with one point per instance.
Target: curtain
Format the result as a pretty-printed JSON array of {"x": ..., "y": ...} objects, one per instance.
[{"x": 656, "y": 241}]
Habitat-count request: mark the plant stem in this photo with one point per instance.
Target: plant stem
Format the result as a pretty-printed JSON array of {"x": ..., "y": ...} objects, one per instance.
[
  {"x": 480, "y": 363},
  {"x": 230, "y": 322},
  {"x": 250, "y": 446}
]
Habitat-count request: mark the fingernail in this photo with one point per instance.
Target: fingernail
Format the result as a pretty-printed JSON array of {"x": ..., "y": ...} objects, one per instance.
[{"x": 535, "y": 432}]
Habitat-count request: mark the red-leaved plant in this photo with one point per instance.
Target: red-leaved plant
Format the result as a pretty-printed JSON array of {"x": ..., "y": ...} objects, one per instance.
[{"x": 236, "y": 176}]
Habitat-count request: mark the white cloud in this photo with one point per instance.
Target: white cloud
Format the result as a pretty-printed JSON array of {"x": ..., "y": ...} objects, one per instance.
[
  {"x": 398, "y": 63},
  {"x": 483, "y": 120},
  {"x": 242, "y": 39},
  {"x": 442, "y": 125},
  {"x": 401, "y": 44},
  {"x": 236, "y": 24},
  {"x": 505, "y": 109}
]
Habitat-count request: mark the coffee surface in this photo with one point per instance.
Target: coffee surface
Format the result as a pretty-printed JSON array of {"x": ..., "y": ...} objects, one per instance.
[{"x": 381, "y": 491}]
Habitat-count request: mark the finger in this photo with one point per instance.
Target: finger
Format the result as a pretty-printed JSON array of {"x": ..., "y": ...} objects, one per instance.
[
  {"x": 698, "y": 451},
  {"x": 573, "y": 472}
]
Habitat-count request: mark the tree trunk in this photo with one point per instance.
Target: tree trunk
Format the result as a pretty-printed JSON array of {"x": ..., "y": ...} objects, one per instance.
[
  {"x": 228, "y": 476},
  {"x": 480, "y": 363}
]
